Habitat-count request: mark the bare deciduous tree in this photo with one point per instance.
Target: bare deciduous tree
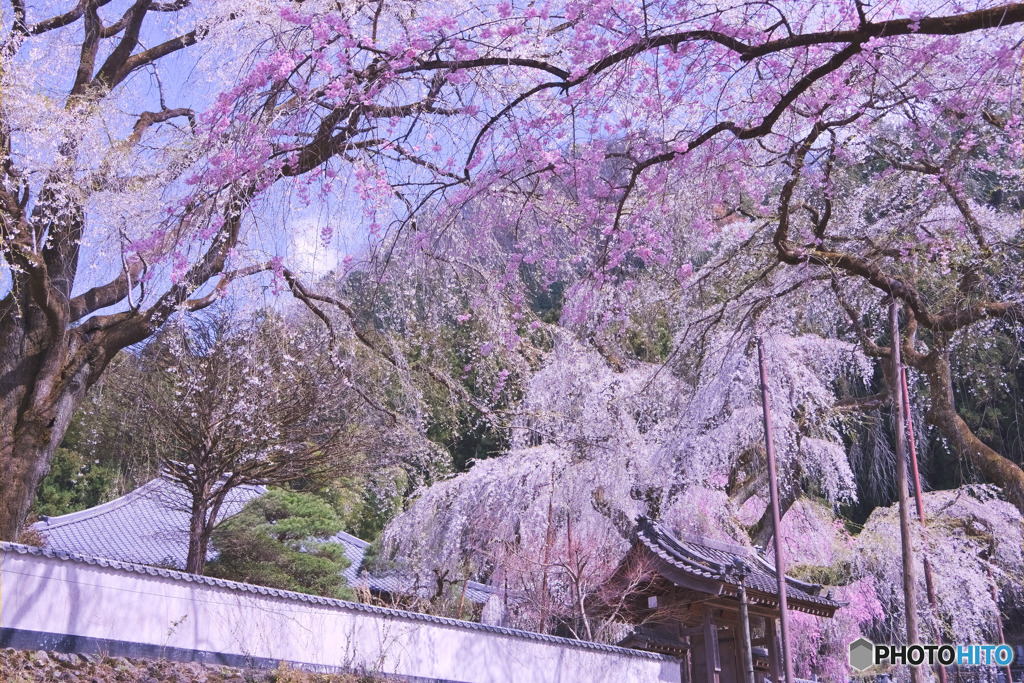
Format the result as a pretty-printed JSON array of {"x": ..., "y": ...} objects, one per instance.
[{"x": 240, "y": 405}]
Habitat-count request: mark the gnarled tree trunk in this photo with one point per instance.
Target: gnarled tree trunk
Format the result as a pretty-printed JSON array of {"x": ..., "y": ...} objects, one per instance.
[
  {"x": 942, "y": 414},
  {"x": 29, "y": 439},
  {"x": 46, "y": 368}
]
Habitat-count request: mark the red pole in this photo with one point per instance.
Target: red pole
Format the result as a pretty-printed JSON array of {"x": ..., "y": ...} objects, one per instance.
[
  {"x": 909, "y": 569},
  {"x": 773, "y": 485},
  {"x": 928, "y": 581},
  {"x": 913, "y": 446},
  {"x": 999, "y": 615}
]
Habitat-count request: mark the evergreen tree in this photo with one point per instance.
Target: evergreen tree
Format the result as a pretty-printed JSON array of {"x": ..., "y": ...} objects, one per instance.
[{"x": 276, "y": 541}]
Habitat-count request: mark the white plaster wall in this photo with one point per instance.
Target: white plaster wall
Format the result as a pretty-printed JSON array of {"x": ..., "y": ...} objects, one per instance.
[{"x": 71, "y": 597}]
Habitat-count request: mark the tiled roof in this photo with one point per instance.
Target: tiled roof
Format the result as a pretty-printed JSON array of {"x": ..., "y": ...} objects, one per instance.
[
  {"x": 150, "y": 526},
  {"x": 396, "y": 582},
  {"x": 318, "y": 600},
  {"x": 407, "y": 583},
  {"x": 723, "y": 563},
  {"x": 147, "y": 526},
  {"x": 355, "y": 551}
]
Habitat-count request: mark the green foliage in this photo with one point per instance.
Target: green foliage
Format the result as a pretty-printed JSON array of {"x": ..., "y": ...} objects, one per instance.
[
  {"x": 988, "y": 382},
  {"x": 74, "y": 483},
  {"x": 838, "y": 574},
  {"x": 363, "y": 504},
  {"x": 273, "y": 542},
  {"x": 650, "y": 340},
  {"x": 376, "y": 508}
]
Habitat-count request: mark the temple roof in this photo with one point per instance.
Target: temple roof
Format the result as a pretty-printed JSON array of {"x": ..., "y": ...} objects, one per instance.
[
  {"x": 397, "y": 582},
  {"x": 724, "y": 564},
  {"x": 149, "y": 526}
]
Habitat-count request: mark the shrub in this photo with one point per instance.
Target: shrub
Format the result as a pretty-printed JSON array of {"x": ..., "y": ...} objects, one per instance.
[{"x": 276, "y": 541}]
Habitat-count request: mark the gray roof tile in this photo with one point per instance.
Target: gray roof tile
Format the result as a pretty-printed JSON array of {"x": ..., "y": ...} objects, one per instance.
[
  {"x": 710, "y": 560},
  {"x": 147, "y": 526}
]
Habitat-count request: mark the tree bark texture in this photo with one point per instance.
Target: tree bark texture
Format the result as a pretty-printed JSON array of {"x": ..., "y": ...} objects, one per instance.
[{"x": 943, "y": 415}]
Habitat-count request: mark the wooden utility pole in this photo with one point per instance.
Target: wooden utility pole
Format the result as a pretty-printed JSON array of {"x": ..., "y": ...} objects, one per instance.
[
  {"x": 928, "y": 581},
  {"x": 999, "y": 614},
  {"x": 909, "y": 569},
  {"x": 773, "y": 486},
  {"x": 711, "y": 652}
]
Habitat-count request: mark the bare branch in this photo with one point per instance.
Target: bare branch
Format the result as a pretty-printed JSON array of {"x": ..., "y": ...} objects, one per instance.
[
  {"x": 109, "y": 294},
  {"x": 1004, "y": 15}
]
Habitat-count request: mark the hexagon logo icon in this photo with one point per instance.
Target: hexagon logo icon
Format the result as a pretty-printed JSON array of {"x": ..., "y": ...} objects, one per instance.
[{"x": 862, "y": 654}]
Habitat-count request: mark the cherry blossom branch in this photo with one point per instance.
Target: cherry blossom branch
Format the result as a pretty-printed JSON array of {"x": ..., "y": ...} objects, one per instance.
[
  {"x": 929, "y": 168},
  {"x": 220, "y": 288},
  {"x": 482, "y": 62},
  {"x": 867, "y": 344},
  {"x": 308, "y": 297},
  {"x": 135, "y": 62},
  {"x": 864, "y": 404},
  {"x": 873, "y": 273},
  {"x": 133, "y": 19},
  {"x": 61, "y": 20},
  {"x": 211, "y": 263},
  {"x": 742, "y": 133},
  {"x": 1004, "y": 15},
  {"x": 148, "y": 118},
  {"x": 90, "y": 45}
]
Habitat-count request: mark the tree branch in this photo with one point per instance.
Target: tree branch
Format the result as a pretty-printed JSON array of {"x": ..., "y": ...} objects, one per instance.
[
  {"x": 148, "y": 118},
  {"x": 90, "y": 45},
  {"x": 109, "y": 294},
  {"x": 152, "y": 54},
  {"x": 133, "y": 19},
  {"x": 1004, "y": 15}
]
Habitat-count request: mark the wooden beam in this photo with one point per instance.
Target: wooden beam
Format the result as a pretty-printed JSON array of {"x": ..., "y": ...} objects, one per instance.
[
  {"x": 711, "y": 657},
  {"x": 774, "y": 665},
  {"x": 771, "y": 610},
  {"x": 746, "y": 658},
  {"x": 734, "y": 607}
]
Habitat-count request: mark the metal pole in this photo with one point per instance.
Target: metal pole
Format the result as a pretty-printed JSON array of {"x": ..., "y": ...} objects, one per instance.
[
  {"x": 918, "y": 491},
  {"x": 773, "y": 486},
  {"x": 909, "y": 569}
]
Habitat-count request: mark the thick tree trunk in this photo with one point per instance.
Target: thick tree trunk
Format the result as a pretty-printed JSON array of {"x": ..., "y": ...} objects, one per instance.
[
  {"x": 51, "y": 351},
  {"x": 198, "y": 538},
  {"x": 29, "y": 441},
  {"x": 38, "y": 394},
  {"x": 208, "y": 496},
  {"x": 53, "y": 348},
  {"x": 46, "y": 368},
  {"x": 762, "y": 531},
  {"x": 942, "y": 414}
]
